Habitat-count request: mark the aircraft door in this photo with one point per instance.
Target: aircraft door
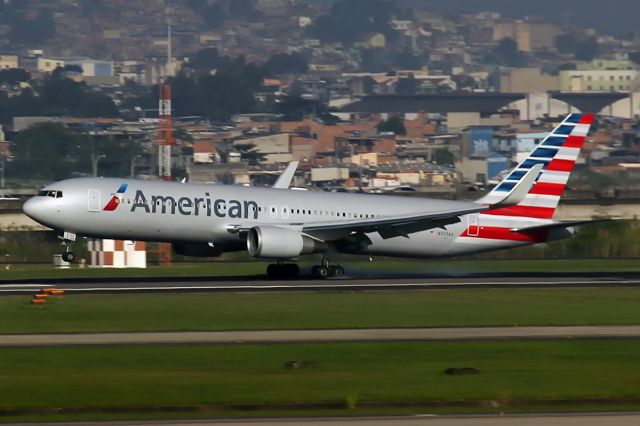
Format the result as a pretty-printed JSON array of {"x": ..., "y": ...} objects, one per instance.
[
  {"x": 94, "y": 200},
  {"x": 473, "y": 225}
]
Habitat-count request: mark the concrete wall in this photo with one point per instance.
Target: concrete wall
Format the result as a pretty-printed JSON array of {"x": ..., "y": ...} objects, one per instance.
[
  {"x": 527, "y": 80},
  {"x": 459, "y": 120},
  {"x": 537, "y": 105}
]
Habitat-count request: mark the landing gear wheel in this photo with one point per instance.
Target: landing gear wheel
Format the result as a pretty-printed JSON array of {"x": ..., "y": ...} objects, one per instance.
[
  {"x": 320, "y": 271},
  {"x": 69, "y": 256},
  {"x": 272, "y": 270},
  {"x": 291, "y": 270},
  {"x": 337, "y": 271},
  {"x": 283, "y": 271}
]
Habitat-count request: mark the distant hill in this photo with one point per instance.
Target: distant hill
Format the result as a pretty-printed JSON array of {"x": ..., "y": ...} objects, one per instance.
[{"x": 614, "y": 16}]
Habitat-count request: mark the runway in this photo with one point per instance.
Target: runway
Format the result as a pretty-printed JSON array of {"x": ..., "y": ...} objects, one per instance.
[
  {"x": 599, "y": 419},
  {"x": 318, "y": 336},
  {"x": 259, "y": 284}
]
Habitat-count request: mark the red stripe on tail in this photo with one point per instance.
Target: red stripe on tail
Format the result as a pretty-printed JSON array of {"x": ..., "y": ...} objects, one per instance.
[
  {"x": 574, "y": 142},
  {"x": 558, "y": 165},
  {"x": 587, "y": 118},
  {"x": 547, "y": 188}
]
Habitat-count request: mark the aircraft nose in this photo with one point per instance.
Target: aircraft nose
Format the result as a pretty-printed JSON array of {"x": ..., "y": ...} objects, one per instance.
[{"x": 33, "y": 208}]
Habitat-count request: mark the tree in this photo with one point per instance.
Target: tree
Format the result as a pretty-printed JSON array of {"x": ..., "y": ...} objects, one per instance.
[
  {"x": 215, "y": 14},
  {"x": 250, "y": 154},
  {"x": 407, "y": 86},
  {"x": 583, "y": 48},
  {"x": 443, "y": 156},
  {"x": 46, "y": 151},
  {"x": 29, "y": 30},
  {"x": 293, "y": 108},
  {"x": 506, "y": 53},
  {"x": 14, "y": 76},
  {"x": 207, "y": 59},
  {"x": 634, "y": 57},
  {"x": 283, "y": 63},
  {"x": 407, "y": 60},
  {"x": 393, "y": 124},
  {"x": 65, "y": 97},
  {"x": 91, "y": 7},
  {"x": 350, "y": 19}
]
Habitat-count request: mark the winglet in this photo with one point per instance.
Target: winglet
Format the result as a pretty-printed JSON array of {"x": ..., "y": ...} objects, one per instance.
[
  {"x": 519, "y": 190},
  {"x": 285, "y": 178}
]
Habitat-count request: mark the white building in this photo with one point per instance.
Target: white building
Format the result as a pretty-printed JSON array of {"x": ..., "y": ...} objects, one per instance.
[
  {"x": 619, "y": 80},
  {"x": 8, "y": 61}
]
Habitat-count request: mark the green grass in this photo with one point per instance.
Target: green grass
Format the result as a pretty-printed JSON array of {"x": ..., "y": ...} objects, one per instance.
[
  {"x": 513, "y": 374},
  {"x": 226, "y": 311},
  {"x": 380, "y": 265}
]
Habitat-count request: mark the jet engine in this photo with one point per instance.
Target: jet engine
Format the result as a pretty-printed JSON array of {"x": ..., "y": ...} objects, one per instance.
[{"x": 272, "y": 242}]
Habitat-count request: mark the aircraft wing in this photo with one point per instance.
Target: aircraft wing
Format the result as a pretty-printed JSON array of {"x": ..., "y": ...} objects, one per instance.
[
  {"x": 402, "y": 226},
  {"x": 390, "y": 226}
]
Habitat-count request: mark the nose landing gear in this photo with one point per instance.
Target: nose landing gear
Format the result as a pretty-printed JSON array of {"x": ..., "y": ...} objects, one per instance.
[
  {"x": 69, "y": 256},
  {"x": 67, "y": 238}
]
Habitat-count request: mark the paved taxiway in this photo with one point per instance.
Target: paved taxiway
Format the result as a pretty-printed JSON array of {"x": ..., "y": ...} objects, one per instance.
[
  {"x": 293, "y": 336},
  {"x": 603, "y": 419},
  {"x": 258, "y": 284}
]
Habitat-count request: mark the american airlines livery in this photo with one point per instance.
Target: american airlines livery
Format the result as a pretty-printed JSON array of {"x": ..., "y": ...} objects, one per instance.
[{"x": 281, "y": 224}]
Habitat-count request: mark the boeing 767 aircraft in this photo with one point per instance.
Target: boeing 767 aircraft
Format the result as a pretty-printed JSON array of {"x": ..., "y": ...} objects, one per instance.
[{"x": 282, "y": 224}]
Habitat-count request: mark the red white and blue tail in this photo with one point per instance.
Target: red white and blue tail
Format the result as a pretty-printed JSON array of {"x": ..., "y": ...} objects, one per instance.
[{"x": 557, "y": 153}]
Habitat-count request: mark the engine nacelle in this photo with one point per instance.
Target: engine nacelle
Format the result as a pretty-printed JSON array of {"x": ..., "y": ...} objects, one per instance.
[{"x": 271, "y": 242}]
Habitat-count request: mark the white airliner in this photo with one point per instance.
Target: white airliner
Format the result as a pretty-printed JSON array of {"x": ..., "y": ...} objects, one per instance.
[{"x": 281, "y": 224}]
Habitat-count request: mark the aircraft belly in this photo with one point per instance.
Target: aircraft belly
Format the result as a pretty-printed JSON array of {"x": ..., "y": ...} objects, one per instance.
[{"x": 425, "y": 244}]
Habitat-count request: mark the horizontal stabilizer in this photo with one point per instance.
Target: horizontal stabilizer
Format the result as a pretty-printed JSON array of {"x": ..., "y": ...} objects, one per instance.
[{"x": 555, "y": 225}]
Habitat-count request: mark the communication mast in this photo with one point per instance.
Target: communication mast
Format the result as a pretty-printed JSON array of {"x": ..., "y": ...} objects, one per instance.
[{"x": 165, "y": 134}]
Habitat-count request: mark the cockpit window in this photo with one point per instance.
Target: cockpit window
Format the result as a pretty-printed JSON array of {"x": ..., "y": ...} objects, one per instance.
[{"x": 49, "y": 193}]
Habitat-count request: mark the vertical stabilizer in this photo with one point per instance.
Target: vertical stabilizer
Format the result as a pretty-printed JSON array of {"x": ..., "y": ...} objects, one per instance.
[{"x": 557, "y": 154}]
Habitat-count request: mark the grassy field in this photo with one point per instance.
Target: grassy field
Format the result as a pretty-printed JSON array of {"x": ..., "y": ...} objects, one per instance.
[
  {"x": 224, "y": 311},
  {"x": 365, "y": 268},
  {"x": 514, "y": 375}
]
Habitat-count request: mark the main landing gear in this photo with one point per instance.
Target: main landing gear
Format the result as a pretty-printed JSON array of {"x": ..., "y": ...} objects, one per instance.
[
  {"x": 325, "y": 270},
  {"x": 283, "y": 271},
  {"x": 291, "y": 270}
]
